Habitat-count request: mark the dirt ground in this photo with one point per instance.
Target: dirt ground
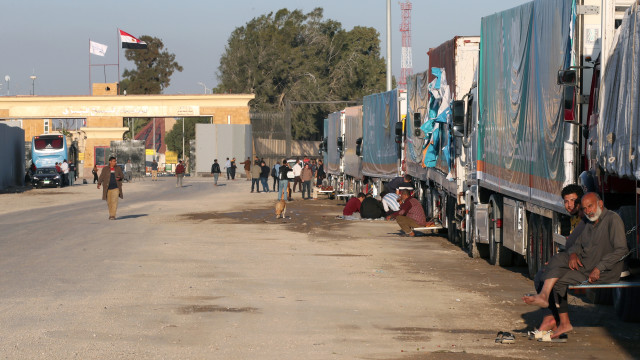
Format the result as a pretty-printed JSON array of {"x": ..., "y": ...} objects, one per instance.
[{"x": 212, "y": 274}]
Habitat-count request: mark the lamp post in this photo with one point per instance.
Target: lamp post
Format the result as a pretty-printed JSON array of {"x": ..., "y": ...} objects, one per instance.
[
  {"x": 182, "y": 138},
  {"x": 205, "y": 88},
  {"x": 7, "y": 79},
  {"x": 33, "y": 84}
]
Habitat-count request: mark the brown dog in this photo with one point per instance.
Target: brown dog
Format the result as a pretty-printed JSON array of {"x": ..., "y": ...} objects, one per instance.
[{"x": 281, "y": 208}]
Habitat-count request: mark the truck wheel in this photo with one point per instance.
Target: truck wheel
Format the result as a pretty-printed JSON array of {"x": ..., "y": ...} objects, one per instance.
[
  {"x": 451, "y": 226},
  {"x": 532, "y": 236},
  {"x": 625, "y": 302},
  {"x": 498, "y": 254}
]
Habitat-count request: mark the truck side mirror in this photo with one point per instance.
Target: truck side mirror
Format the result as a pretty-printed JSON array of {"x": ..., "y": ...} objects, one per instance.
[
  {"x": 359, "y": 147},
  {"x": 567, "y": 77},
  {"x": 399, "y": 132},
  {"x": 417, "y": 120},
  {"x": 457, "y": 116}
]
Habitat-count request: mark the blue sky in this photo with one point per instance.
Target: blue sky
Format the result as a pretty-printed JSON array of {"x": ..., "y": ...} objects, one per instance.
[{"x": 50, "y": 39}]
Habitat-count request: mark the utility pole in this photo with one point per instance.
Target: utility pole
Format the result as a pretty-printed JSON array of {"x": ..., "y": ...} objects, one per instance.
[{"x": 388, "y": 45}]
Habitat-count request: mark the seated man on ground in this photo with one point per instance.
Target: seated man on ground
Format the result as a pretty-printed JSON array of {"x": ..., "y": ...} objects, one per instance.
[
  {"x": 571, "y": 195},
  {"x": 371, "y": 208},
  {"x": 594, "y": 257},
  {"x": 390, "y": 202},
  {"x": 411, "y": 215},
  {"x": 352, "y": 208}
]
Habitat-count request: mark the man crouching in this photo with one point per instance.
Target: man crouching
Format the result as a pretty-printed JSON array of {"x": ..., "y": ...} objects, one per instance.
[{"x": 411, "y": 215}]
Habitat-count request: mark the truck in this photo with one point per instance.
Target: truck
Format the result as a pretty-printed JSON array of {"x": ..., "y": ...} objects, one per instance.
[
  {"x": 531, "y": 125},
  {"x": 439, "y": 182},
  {"x": 352, "y": 145},
  {"x": 333, "y": 164}
]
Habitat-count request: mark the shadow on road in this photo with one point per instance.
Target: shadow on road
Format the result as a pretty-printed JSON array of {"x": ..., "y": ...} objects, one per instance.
[{"x": 132, "y": 216}]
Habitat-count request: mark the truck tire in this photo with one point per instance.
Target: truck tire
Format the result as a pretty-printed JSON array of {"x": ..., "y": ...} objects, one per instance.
[
  {"x": 451, "y": 225},
  {"x": 532, "y": 236},
  {"x": 625, "y": 302},
  {"x": 498, "y": 254}
]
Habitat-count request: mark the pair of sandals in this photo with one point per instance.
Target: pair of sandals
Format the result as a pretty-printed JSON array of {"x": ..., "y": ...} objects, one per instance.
[{"x": 545, "y": 336}]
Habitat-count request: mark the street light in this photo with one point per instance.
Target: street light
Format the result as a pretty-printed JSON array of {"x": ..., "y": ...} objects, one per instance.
[
  {"x": 204, "y": 86},
  {"x": 7, "y": 78},
  {"x": 33, "y": 84}
]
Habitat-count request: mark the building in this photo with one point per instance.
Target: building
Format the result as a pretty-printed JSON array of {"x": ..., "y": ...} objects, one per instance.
[{"x": 92, "y": 122}]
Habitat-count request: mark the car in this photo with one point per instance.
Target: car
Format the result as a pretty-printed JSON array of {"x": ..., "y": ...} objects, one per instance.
[{"x": 47, "y": 176}]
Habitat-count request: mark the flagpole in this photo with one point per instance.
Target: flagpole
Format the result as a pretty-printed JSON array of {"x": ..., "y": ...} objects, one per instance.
[
  {"x": 118, "y": 41},
  {"x": 90, "y": 66}
]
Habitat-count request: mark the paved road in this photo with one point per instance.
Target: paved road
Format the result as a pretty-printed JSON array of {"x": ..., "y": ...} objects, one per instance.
[{"x": 208, "y": 273}]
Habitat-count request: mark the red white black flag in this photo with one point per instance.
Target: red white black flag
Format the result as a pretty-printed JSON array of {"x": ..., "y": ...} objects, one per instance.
[{"x": 131, "y": 42}]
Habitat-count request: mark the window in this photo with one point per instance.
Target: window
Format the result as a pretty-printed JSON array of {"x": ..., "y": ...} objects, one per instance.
[
  {"x": 67, "y": 124},
  {"x": 101, "y": 155},
  {"x": 46, "y": 126}
]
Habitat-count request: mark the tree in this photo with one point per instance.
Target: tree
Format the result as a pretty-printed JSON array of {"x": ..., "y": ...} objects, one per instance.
[
  {"x": 294, "y": 56},
  {"x": 154, "y": 68},
  {"x": 173, "y": 139}
]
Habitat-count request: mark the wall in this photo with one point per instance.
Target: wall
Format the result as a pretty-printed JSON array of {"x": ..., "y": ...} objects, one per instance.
[
  {"x": 11, "y": 156},
  {"x": 221, "y": 142}
]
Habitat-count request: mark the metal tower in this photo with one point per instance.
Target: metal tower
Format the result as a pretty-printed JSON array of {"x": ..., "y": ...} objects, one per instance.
[{"x": 405, "y": 29}]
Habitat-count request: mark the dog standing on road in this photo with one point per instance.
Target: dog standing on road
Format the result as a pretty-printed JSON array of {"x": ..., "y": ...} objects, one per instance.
[{"x": 281, "y": 208}]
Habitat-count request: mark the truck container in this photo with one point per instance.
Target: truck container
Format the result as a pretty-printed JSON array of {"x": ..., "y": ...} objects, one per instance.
[
  {"x": 334, "y": 161},
  {"x": 380, "y": 151},
  {"x": 352, "y": 149}
]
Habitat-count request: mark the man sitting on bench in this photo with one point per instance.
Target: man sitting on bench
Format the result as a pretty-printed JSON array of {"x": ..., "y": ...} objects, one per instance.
[{"x": 595, "y": 257}]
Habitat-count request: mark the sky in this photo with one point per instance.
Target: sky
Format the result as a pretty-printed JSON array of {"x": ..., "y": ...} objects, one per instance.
[{"x": 50, "y": 39}]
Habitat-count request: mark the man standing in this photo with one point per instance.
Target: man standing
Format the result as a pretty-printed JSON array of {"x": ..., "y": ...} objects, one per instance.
[
  {"x": 154, "y": 170},
  {"x": 306, "y": 176},
  {"x": 128, "y": 170},
  {"x": 179, "y": 173},
  {"x": 72, "y": 173},
  {"x": 227, "y": 167},
  {"x": 247, "y": 169},
  {"x": 233, "y": 169},
  {"x": 320, "y": 174},
  {"x": 411, "y": 215},
  {"x": 111, "y": 180},
  {"x": 297, "y": 180},
  {"x": 65, "y": 172},
  {"x": 215, "y": 171},
  {"x": 255, "y": 176},
  {"x": 594, "y": 257},
  {"x": 275, "y": 173},
  {"x": 264, "y": 176},
  {"x": 283, "y": 184}
]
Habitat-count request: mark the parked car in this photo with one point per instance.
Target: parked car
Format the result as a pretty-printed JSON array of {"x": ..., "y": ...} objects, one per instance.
[{"x": 46, "y": 177}]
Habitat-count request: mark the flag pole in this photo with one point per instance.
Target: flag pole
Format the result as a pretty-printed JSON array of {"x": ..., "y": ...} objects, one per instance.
[
  {"x": 90, "y": 66},
  {"x": 117, "y": 42}
]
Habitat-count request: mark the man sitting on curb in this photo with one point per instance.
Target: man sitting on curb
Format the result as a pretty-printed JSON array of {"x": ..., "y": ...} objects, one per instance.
[
  {"x": 411, "y": 215},
  {"x": 595, "y": 257}
]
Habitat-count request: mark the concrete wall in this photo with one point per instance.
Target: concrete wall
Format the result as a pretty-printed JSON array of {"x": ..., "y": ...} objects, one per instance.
[
  {"x": 216, "y": 141},
  {"x": 11, "y": 156}
]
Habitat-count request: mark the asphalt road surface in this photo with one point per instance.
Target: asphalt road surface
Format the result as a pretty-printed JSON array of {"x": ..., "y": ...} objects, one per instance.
[{"x": 204, "y": 272}]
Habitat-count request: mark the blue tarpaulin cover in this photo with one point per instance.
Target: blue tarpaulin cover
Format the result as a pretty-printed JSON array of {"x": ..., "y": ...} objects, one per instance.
[
  {"x": 380, "y": 114},
  {"x": 521, "y": 131}
]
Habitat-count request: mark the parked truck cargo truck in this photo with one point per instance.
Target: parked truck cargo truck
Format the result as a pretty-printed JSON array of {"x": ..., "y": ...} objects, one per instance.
[{"x": 530, "y": 126}]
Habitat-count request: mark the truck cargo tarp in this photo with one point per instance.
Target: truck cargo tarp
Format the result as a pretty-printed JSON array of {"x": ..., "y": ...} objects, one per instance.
[
  {"x": 417, "y": 102},
  {"x": 353, "y": 131},
  {"x": 521, "y": 131},
  {"x": 437, "y": 127},
  {"x": 380, "y": 114},
  {"x": 332, "y": 165},
  {"x": 618, "y": 140}
]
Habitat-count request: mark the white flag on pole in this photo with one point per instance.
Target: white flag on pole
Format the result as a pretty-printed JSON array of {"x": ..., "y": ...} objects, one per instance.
[{"x": 97, "y": 48}]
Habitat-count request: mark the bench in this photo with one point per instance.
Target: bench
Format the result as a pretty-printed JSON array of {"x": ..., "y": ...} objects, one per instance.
[
  {"x": 428, "y": 228},
  {"x": 346, "y": 197},
  {"x": 329, "y": 193}
]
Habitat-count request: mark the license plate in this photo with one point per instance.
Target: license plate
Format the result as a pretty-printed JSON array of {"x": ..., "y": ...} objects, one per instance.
[{"x": 46, "y": 181}]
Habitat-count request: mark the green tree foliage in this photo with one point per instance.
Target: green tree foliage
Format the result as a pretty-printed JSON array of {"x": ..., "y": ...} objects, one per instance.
[
  {"x": 294, "y": 56},
  {"x": 154, "y": 68},
  {"x": 135, "y": 124},
  {"x": 173, "y": 139}
]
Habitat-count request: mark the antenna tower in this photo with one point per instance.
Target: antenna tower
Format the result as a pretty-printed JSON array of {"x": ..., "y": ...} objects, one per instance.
[{"x": 405, "y": 29}]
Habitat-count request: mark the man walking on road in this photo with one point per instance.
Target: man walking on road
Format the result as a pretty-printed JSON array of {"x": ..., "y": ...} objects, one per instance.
[
  {"x": 255, "y": 175},
  {"x": 111, "y": 180},
  {"x": 297, "y": 180},
  {"x": 179, "y": 174},
  {"x": 154, "y": 170},
  {"x": 215, "y": 171},
  {"x": 264, "y": 176}
]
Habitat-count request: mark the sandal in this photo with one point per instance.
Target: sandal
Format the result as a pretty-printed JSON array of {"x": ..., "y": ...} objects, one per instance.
[
  {"x": 538, "y": 334},
  {"x": 560, "y": 339},
  {"x": 504, "y": 337}
]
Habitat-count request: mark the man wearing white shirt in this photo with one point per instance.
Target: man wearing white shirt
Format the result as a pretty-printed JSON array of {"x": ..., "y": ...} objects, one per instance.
[
  {"x": 390, "y": 202},
  {"x": 297, "y": 170},
  {"x": 65, "y": 171},
  {"x": 227, "y": 166}
]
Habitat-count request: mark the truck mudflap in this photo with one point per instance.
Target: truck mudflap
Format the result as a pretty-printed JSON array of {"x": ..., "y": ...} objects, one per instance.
[
  {"x": 482, "y": 223},
  {"x": 514, "y": 227}
]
